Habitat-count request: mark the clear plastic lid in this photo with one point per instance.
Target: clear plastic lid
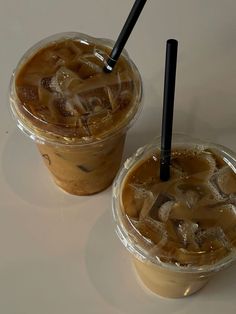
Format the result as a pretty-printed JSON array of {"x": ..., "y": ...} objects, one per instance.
[
  {"x": 59, "y": 91},
  {"x": 187, "y": 223}
]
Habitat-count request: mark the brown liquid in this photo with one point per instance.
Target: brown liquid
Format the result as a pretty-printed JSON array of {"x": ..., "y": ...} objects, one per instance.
[
  {"x": 64, "y": 91},
  {"x": 191, "y": 219}
]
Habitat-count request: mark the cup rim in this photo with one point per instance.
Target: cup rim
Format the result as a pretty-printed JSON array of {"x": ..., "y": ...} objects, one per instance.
[
  {"x": 40, "y": 137},
  {"x": 125, "y": 237}
]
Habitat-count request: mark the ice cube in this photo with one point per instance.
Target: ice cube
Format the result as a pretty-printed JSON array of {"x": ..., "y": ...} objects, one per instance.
[
  {"x": 215, "y": 186},
  {"x": 132, "y": 205},
  {"x": 69, "y": 106},
  {"x": 180, "y": 211},
  {"x": 113, "y": 101},
  {"x": 46, "y": 97},
  {"x": 50, "y": 101},
  {"x": 143, "y": 197},
  {"x": 161, "y": 207},
  {"x": 52, "y": 61},
  {"x": 172, "y": 230},
  {"x": 89, "y": 66},
  {"x": 101, "y": 80},
  {"x": 64, "y": 108},
  {"x": 62, "y": 55},
  {"x": 140, "y": 191},
  {"x": 75, "y": 102},
  {"x": 191, "y": 193},
  {"x": 133, "y": 229},
  {"x": 96, "y": 102},
  {"x": 165, "y": 210},
  {"x": 166, "y": 249},
  {"x": 62, "y": 111},
  {"x": 100, "y": 122},
  {"x": 224, "y": 181},
  {"x": 197, "y": 165},
  {"x": 192, "y": 198},
  {"x": 186, "y": 231},
  {"x": 207, "y": 216},
  {"x": 64, "y": 81},
  {"x": 214, "y": 233},
  {"x": 154, "y": 230},
  {"x": 147, "y": 203}
]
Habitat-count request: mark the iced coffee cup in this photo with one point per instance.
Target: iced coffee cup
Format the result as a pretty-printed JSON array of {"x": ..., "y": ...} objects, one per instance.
[
  {"x": 77, "y": 115},
  {"x": 180, "y": 232}
]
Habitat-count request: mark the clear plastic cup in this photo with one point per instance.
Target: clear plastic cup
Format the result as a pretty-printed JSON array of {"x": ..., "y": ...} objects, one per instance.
[
  {"x": 79, "y": 164},
  {"x": 164, "y": 276}
]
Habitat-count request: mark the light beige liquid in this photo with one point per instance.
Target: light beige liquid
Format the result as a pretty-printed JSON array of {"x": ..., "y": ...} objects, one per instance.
[
  {"x": 84, "y": 170},
  {"x": 67, "y": 99},
  {"x": 189, "y": 221}
]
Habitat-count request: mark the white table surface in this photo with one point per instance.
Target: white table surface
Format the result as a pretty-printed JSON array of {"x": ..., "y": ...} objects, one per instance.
[{"x": 59, "y": 253}]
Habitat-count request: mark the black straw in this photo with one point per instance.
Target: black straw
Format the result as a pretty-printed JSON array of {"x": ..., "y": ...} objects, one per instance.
[
  {"x": 124, "y": 34},
  {"x": 168, "y": 108}
]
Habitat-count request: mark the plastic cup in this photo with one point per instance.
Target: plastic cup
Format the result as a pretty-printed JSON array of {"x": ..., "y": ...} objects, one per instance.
[
  {"x": 166, "y": 278},
  {"x": 79, "y": 165}
]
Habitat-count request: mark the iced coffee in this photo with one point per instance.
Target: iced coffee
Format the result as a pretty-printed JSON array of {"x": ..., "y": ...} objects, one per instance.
[
  {"x": 77, "y": 114},
  {"x": 182, "y": 231}
]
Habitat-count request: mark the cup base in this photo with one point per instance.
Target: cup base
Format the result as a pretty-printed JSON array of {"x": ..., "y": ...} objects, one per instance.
[
  {"x": 166, "y": 283},
  {"x": 77, "y": 192}
]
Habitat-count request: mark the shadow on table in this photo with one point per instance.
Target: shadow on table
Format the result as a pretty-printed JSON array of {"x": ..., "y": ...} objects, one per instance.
[{"x": 36, "y": 286}]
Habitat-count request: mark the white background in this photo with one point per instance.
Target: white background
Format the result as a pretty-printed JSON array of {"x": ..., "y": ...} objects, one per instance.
[{"x": 59, "y": 253}]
